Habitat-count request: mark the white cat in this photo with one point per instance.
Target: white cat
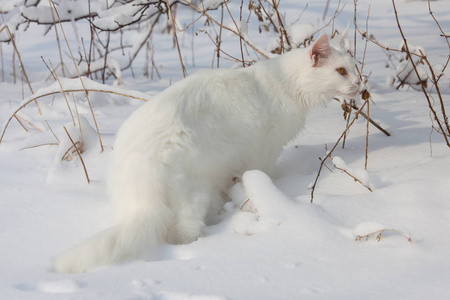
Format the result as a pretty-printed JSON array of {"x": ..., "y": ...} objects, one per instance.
[{"x": 175, "y": 158}]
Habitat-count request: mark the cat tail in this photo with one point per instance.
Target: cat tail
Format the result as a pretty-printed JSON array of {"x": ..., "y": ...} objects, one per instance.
[{"x": 127, "y": 240}]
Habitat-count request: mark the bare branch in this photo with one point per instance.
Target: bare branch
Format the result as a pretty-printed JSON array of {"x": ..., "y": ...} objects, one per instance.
[
  {"x": 79, "y": 155},
  {"x": 313, "y": 187},
  {"x": 422, "y": 85},
  {"x": 354, "y": 178}
]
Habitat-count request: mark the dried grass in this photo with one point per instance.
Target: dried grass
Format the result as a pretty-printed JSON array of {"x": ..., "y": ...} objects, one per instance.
[{"x": 378, "y": 234}]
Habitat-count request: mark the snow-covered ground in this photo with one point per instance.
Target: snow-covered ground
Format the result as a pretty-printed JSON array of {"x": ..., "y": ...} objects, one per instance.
[{"x": 289, "y": 249}]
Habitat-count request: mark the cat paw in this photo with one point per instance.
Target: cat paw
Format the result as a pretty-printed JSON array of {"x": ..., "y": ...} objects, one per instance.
[{"x": 186, "y": 232}]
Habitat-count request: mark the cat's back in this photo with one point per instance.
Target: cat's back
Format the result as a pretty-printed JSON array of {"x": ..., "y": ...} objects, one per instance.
[
  {"x": 208, "y": 96},
  {"x": 205, "y": 100}
]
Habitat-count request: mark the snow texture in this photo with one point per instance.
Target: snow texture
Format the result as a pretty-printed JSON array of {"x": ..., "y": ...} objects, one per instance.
[
  {"x": 360, "y": 174},
  {"x": 269, "y": 242}
]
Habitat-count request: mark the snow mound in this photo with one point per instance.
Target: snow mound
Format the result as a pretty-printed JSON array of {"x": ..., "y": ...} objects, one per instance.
[
  {"x": 258, "y": 194},
  {"x": 66, "y": 157},
  {"x": 65, "y": 286},
  {"x": 359, "y": 174}
]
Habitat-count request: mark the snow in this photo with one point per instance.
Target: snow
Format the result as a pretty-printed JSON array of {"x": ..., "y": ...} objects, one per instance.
[
  {"x": 270, "y": 241},
  {"x": 67, "y": 10},
  {"x": 113, "y": 17},
  {"x": 359, "y": 174},
  {"x": 300, "y": 32}
]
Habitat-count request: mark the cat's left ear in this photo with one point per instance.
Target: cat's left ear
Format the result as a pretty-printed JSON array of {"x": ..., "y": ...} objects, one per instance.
[
  {"x": 343, "y": 40},
  {"x": 343, "y": 35},
  {"x": 320, "y": 51}
]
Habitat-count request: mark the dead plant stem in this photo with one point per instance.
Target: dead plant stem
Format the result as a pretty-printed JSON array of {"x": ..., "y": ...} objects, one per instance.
[
  {"x": 58, "y": 92},
  {"x": 81, "y": 80},
  {"x": 79, "y": 155},
  {"x": 446, "y": 39},
  {"x": 334, "y": 147},
  {"x": 51, "y": 130},
  {"x": 11, "y": 37},
  {"x": 349, "y": 116},
  {"x": 378, "y": 235},
  {"x": 354, "y": 178},
  {"x": 367, "y": 136},
  {"x": 2, "y": 62},
  {"x": 219, "y": 38},
  {"x": 62, "y": 91},
  {"x": 203, "y": 12},
  {"x": 283, "y": 30},
  {"x": 174, "y": 27},
  {"x": 20, "y": 122},
  {"x": 57, "y": 39},
  {"x": 422, "y": 85}
]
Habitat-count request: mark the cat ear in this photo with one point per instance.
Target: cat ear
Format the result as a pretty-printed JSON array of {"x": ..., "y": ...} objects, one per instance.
[
  {"x": 319, "y": 51},
  {"x": 343, "y": 35},
  {"x": 343, "y": 40}
]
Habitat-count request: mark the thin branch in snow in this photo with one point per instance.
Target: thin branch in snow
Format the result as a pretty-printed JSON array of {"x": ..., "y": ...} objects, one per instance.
[
  {"x": 28, "y": 122},
  {"x": 218, "y": 48},
  {"x": 219, "y": 38},
  {"x": 378, "y": 234},
  {"x": 313, "y": 187},
  {"x": 367, "y": 135},
  {"x": 5, "y": 27},
  {"x": 51, "y": 130},
  {"x": 422, "y": 84},
  {"x": 174, "y": 28},
  {"x": 354, "y": 178},
  {"x": 282, "y": 28},
  {"x": 57, "y": 39},
  {"x": 443, "y": 35},
  {"x": 347, "y": 107},
  {"x": 41, "y": 145},
  {"x": 245, "y": 39},
  {"x": 76, "y": 110},
  {"x": 20, "y": 122},
  {"x": 55, "y": 76},
  {"x": 81, "y": 80},
  {"x": 77, "y": 149},
  {"x": 412, "y": 72},
  {"x": 52, "y": 90},
  {"x": 2, "y": 62}
]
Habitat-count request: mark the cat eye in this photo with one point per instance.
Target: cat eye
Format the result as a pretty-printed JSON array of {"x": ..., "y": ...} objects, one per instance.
[{"x": 342, "y": 71}]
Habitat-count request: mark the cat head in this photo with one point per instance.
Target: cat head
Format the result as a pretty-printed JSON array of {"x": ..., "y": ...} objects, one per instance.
[{"x": 332, "y": 70}]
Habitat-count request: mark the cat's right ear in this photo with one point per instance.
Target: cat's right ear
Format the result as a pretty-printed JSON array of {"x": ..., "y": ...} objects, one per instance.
[{"x": 320, "y": 51}]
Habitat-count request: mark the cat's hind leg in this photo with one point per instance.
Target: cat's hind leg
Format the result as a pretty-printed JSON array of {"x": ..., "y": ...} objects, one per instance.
[
  {"x": 189, "y": 220},
  {"x": 190, "y": 202}
]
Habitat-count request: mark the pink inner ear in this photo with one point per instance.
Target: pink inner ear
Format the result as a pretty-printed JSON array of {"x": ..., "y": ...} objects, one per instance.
[{"x": 320, "y": 50}]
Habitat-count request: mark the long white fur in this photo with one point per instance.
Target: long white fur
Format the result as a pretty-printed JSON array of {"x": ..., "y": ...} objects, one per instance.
[{"x": 176, "y": 156}]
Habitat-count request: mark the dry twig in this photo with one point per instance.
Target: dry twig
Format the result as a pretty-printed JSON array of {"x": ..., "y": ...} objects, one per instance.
[
  {"x": 24, "y": 73},
  {"x": 14, "y": 114},
  {"x": 322, "y": 161},
  {"x": 347, "y": 107},
  {"x": 354, "y": 178},
  {"x": 174, "y": 28},
  {"x": 81, "y": 80},
  {"x": 238, "y": 33},
  {"x": 378, "y": 234},
  {"x": 443, "y": 125},
  {"x": 422, "y": 85},
  {"x": 77, "y": 149}
]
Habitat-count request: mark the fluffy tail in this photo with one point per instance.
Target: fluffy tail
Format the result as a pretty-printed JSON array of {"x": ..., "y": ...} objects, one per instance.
[{"x": 120, "y": 243}]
